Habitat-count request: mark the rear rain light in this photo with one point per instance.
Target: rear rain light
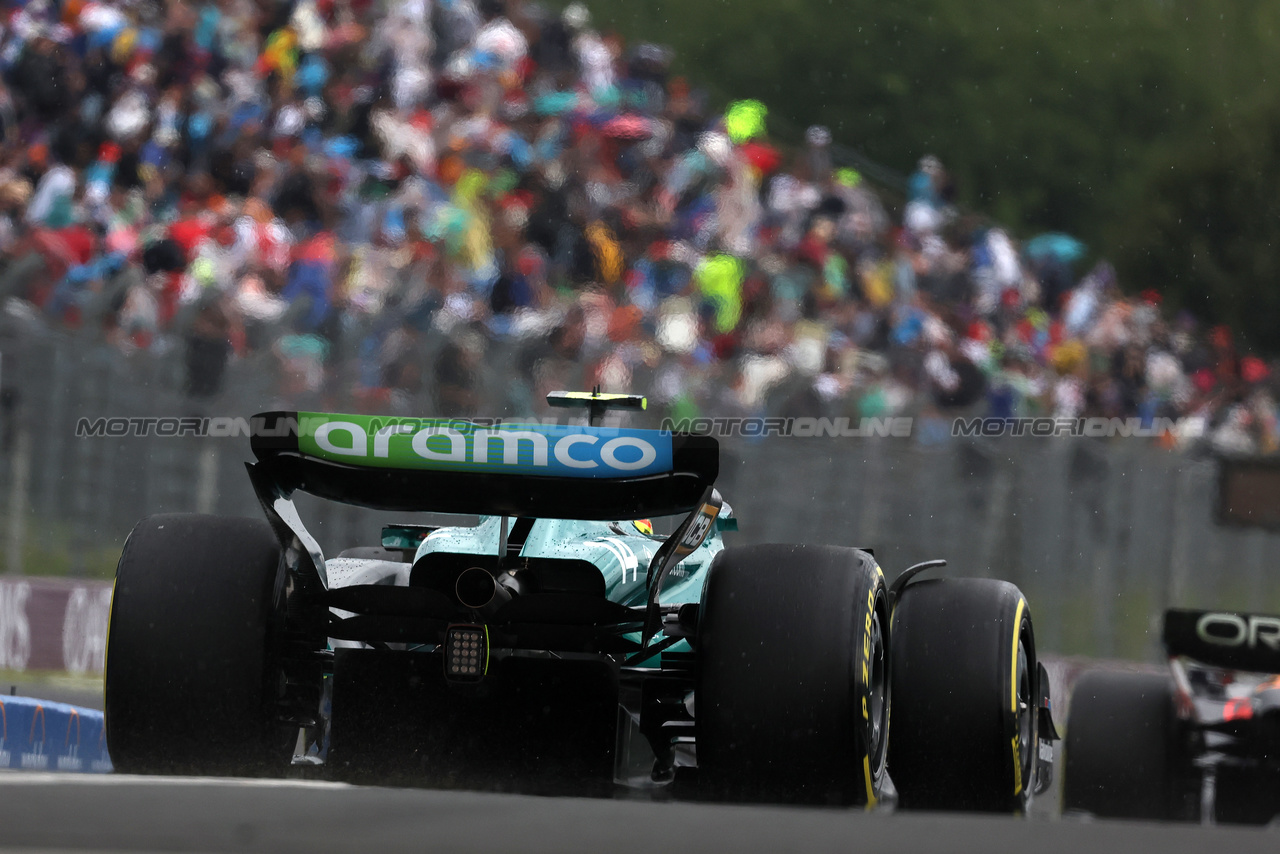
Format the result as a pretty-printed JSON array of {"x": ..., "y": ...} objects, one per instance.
[{"x": 466, "y": 653}]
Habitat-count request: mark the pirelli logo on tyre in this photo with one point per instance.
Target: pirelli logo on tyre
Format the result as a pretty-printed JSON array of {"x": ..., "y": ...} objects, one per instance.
[
  {"x": 871, "y": 647},
  {"x": 1017, "y": 765},
  {"x": 866, "y": 651}
]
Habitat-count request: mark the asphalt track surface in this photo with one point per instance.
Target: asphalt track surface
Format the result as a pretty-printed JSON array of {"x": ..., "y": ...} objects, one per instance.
[
  {"x": 120, "y": 813},
  {"x": 50, "y": 812}
]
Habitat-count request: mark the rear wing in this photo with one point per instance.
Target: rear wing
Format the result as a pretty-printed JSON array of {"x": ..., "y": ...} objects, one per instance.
[
  {"x": 1224, "y": 639},
  {"x": 512, "y": 469}
]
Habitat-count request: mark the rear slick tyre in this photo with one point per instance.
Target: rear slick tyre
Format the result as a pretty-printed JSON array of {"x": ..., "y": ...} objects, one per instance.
[
  {"x": 1122, "y": 758},
  {"x": 964, "y": 685},
  {"x": 190, "y": 679},
  {"x": 792, "y": 698}
]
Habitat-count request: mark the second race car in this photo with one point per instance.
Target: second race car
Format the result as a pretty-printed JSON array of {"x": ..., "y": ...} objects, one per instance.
[{"x": 1201, "y": 743}]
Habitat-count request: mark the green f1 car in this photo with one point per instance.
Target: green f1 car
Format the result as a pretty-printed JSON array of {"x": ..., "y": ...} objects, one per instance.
[{"x": 562, "y": 644}]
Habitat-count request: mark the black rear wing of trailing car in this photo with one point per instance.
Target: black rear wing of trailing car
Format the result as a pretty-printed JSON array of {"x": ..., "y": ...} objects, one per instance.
[
  {"x": 1234, "y": 641},
  {"x": 486, "y": 468}
]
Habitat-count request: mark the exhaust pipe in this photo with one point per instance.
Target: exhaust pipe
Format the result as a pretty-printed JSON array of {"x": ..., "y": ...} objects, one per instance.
[{"x": 479, "y": 590}]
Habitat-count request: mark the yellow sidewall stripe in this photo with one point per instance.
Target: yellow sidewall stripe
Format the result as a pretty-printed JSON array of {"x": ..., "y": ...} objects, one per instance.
[
  {"x": 1013, "y": 667},
  {"x": 1013, "y": 695},
  {"x": 866, "y": 775}
]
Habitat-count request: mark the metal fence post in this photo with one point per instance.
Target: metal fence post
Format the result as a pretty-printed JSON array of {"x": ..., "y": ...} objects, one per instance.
[{"x": 19, "y": 485}]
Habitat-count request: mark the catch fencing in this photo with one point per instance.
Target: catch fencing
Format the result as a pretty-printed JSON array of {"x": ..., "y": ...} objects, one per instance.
[{"x": 1101, "y": 534}]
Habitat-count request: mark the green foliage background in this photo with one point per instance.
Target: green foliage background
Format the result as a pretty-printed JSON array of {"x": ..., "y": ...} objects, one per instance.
[{"x": 1148, "y": 128}]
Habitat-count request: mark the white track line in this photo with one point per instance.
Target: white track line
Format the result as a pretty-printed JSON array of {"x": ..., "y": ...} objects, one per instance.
[{"x": 25, "y": 778}]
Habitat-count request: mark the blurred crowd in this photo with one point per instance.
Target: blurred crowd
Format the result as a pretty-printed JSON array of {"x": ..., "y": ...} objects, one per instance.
[{"x": 455, "y": 206}]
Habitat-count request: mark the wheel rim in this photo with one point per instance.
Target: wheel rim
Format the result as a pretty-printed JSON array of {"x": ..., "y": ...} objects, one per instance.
[{"x": 1026, "y": 722}]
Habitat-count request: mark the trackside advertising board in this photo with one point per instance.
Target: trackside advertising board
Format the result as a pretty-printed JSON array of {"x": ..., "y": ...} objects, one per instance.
[
  {"x": 53, "y": 624},
  {"x": 38, "y": 735},
  {"x": 441, "y": 444}
]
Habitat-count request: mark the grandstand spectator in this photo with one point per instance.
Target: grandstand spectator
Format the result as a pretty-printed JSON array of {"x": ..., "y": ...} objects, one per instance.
[{"x": 459, "y": 205}]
